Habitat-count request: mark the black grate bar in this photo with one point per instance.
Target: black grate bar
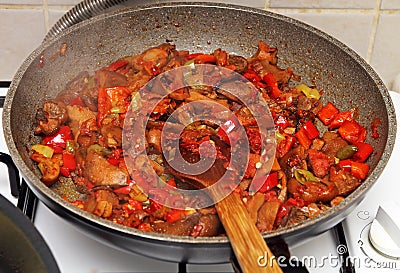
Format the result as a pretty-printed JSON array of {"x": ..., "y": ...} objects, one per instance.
[
  {"x": 5, "y": 84},
  {"x": 27, "y": 201},
  {"x": 13, "y": 174}
]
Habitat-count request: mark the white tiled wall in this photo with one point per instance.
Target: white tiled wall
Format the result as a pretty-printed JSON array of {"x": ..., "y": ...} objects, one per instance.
[{"x": 370, "y": 27}]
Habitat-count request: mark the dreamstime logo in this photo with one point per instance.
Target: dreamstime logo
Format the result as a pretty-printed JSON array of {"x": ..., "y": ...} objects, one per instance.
[
  {"x": 202, "y": 92},
  {"x": 332, "y": 260}
]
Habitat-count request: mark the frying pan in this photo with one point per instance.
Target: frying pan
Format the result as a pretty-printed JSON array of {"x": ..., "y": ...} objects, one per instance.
[
  {"x": 348, "y": 81},
  {"x": 22, "y": 248}
]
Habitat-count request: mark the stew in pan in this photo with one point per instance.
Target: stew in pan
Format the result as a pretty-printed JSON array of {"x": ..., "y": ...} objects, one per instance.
[{"x": 320, "y": 154}]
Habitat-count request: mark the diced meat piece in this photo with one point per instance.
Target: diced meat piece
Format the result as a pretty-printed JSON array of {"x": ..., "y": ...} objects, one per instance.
[
  {"x": 106, "y": 78},
  {"x": 265, "y": 52},
  {"x": 154, "y": 139},
  {"x": 333, "y": 143},
  {"x": 317, "y": 144},
  {"x": 344, "y": 181},
  {"x": 101, "y": 203},
  {"x": 49, "y": 167},
  {"x": 89, "y": 98},
  {"x": 313, "y": 210},
  {"x": 337, "y": 200},
  {"x": 319, "y": 162},
  {"x": 181, "y": 227},
  {"x": 208, "y": 225},
  {"x": 112, "y": 134},
  {"x": 136, "y": 218},
  {"x": 267, "y": 215},
  {"x": 86, "y": 141},
  {"x": 77, "y": 115},
  {"x": 51, "y": 117},
  {"x": 101, "y": 173},
  {"x": 304, "y": 103},
  {"x": 329, "y": 135},
  {"x": 311, "y": 191},
  {"x": 254, "y": 204},
  {"x": 295, "y": 215},
  {"x": 292, "y": 160},
  {"x": 264, "y": 67},
  {"x": 239, "y": 62}
]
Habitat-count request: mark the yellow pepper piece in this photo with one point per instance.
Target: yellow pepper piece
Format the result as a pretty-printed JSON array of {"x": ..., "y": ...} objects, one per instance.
[
  {"x": 43, "y": 150},
  {"x": 310, "y": 93}
]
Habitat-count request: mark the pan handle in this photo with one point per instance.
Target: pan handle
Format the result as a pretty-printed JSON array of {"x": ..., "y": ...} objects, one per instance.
[
  {"x": 89, "y": 8},
  {"x": 13, "y": 174},
  {"x": 82, "y": 11}
]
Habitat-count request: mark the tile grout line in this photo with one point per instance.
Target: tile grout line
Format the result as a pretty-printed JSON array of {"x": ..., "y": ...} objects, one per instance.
[
  {"x": 20, "y": 7},
  {"x": 373, "y": 30},
  {"x": 267, "y": 4},
  {"x": 46, "y": 15},
  {"x": 324, "y": 11}
]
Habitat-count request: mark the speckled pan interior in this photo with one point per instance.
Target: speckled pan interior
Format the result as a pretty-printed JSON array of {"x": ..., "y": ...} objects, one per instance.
[{"x": 347, "y": 79}]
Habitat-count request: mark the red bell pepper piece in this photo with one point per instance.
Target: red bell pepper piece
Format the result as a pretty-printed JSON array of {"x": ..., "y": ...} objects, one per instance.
[
  {"x": 266, "y": 183},
  {"x": 113, "y": 161},
  {"x": 282, "y": 122},
  {"x": 282, "y": 212},
  {"x": 363, "y": 152},
  {"x": 345, "y": 164},
  {"x": 297, "y": 201},
  {"x": 117, "y": 65},
  {"x": 302, "y": 137},
  {"x": 271, "y": 196},
  {"x": 65, "y": 171},
  {"x": 226, "y": 131},
  {"x": 171, "y": 182},
  {"x": 310, "y": 130},
  {"x": 115, "y": 157},
  {"x": 131, "y": 206},
  {"x": 252, "y": 76},
  {"x": 359, "y": 170},
  {"x": 340, "y": 118},
  {"x": 69, "y": 160},
  {"x": 203, "y": 58},
  {"x": 270, "y": 80},
  {"x": 352, "y": 131},
  {"x": 285, "y": 145},
  {"x": 285, "y": 208},
  {"x": 58, "y": 141},
  {"x": 77, "y": 101},
  {"x": 327, "y": 113},
  {"x": 153, "y": 206},
  {"x": 254, "y": 137},
  {"x": 69, "y": 164},
  {"x": 123, "y": 190},
  {"x": 174, "y": 215}
]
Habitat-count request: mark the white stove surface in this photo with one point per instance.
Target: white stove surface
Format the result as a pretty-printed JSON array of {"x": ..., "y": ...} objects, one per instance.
[{"x": 77, "y": 253}]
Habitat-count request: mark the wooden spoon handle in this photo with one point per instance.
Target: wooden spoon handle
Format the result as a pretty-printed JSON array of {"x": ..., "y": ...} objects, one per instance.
[{"x": 247, "y": 243}]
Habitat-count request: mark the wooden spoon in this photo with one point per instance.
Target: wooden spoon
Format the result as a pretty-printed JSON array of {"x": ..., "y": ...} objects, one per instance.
[{"x": 248, "y": 245}]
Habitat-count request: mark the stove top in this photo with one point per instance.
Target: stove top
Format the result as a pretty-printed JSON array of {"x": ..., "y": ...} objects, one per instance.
[{"x": 76, "y": 252}]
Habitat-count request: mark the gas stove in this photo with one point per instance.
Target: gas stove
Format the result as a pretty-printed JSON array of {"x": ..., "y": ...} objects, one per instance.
[{"x": 76, "y": 252}]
